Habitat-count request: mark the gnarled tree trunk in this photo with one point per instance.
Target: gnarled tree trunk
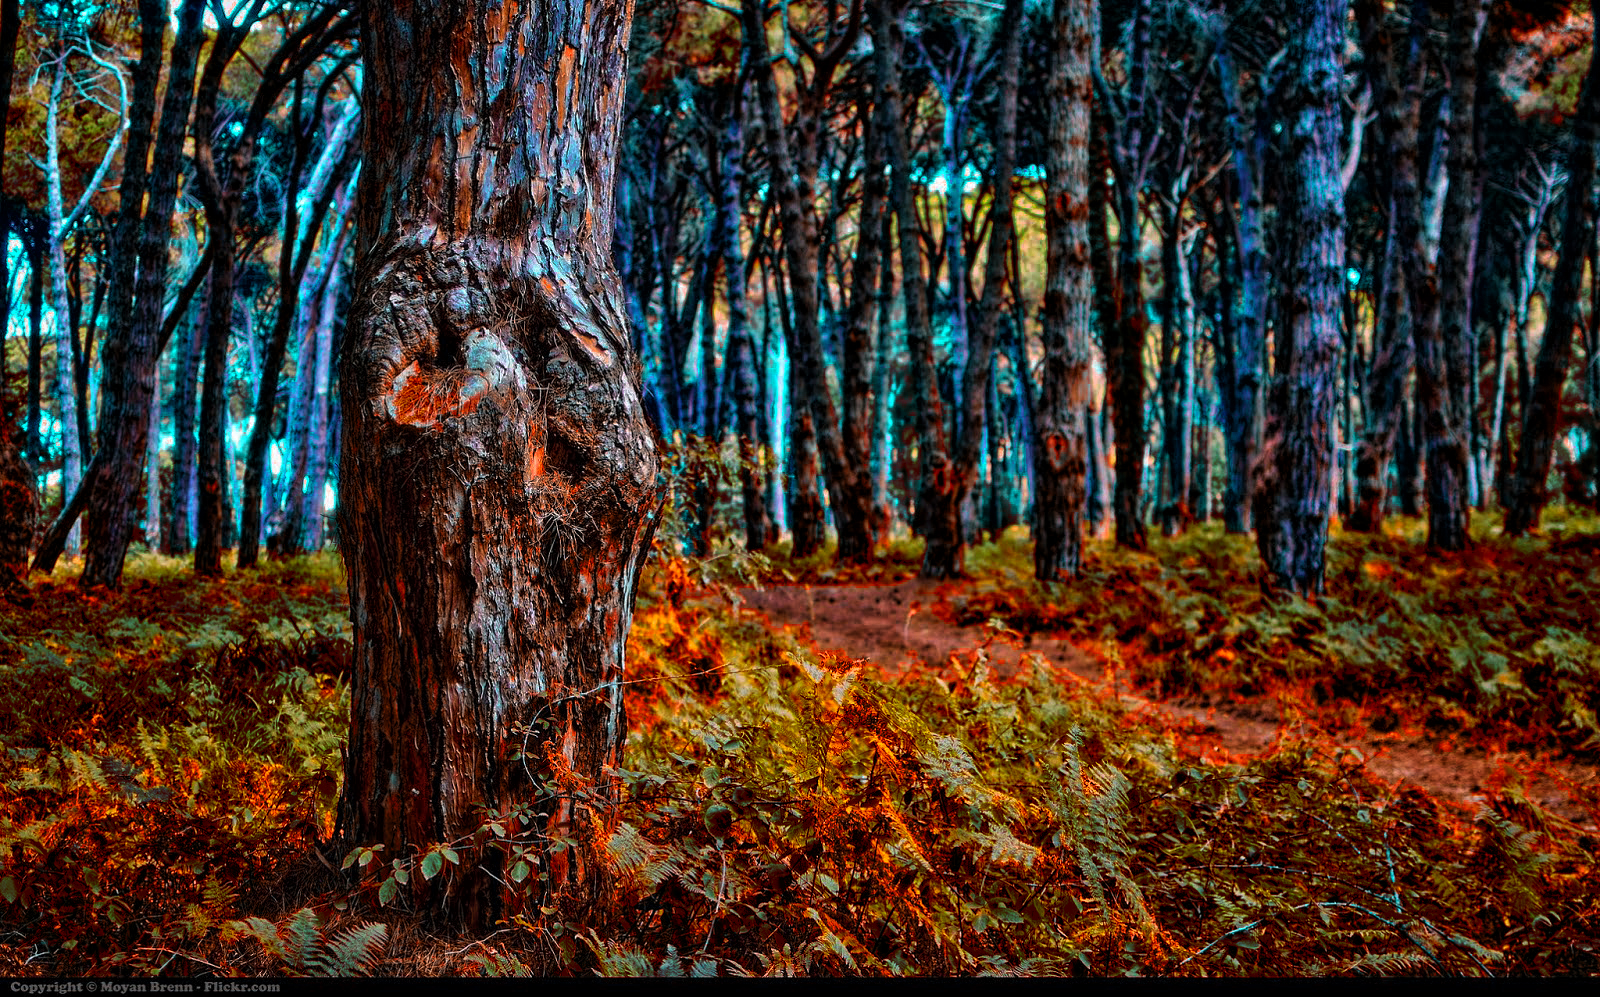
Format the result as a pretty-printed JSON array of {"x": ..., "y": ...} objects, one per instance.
[{"x": 498, "y": 476}]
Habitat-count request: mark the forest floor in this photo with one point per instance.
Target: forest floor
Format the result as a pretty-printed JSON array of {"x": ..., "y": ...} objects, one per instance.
[
  {"x": 1153, "y": 769},
  {"x": 906, "y": 626}
]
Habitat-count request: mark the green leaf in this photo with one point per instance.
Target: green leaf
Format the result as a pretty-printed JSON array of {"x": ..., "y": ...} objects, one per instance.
[
  {"x": 387, "y": 891},
  {"x": 8, "y": 890},
  {"x": 431, "y": 864},
  {"x": 520, "y": 871}
]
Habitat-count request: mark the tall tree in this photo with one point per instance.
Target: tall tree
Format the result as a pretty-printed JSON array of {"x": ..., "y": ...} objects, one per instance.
[
  {"x": 1060, "y": 429},
  {"x": 1133, "y": 119},
  {"x": 498, "y": 470},
  {"x": 1541, "y": 418},
  {"x": 129, "y": 359},
  {"x": 88, "y": 86},
  {"x": 944, "y": 553},
  {"x": 793, "y": 177},
  {"x": 934, "y": 464},
  {"x": 1293, "y": 499},
  {"x": 221, "y": 192}
]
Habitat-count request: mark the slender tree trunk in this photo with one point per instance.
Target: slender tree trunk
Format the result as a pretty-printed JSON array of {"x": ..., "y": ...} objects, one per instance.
[
  {"x": 35, "y": 249},
  {"x": 1061, "y": 447},
  {"x": 152, "y": 466},
  {"x": 175, "y": 533},
  {"x": 1399, "y": 117},
  {"x": 132, "y": 354},
  {"x": 309, "y": 507},
  {"x": 793, "y": 179},
  {"x": 498, "y": 477},
  {"x": 741, "y": 346},
  {"x": 1293, "y": 498},
  {"x": 66, "y": 389},
  {"x": 1543, "y": 414},
  {"x": 1242, "y": 391},
  {"x": 935, "y": 467}
]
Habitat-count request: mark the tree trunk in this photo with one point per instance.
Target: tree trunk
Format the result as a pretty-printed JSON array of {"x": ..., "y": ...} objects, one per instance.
[
  {"x": 131, "y": 354},
  {"x": 1543, "y": 414},
  {"x": 34, "y": 247},
  {"x": 498, "y": 470},
  {"x": 1241, "y": 392},
  {"x": 793, "y": 180},
  {"x": 1399, "y": 118},
  {"x": 741, "y": 345},
  {"x": 1442, "y": 296},
  {"x": 1293, "y": 497},
  {"x": 1061, "y": 447},
  {"x": 936, "y": 521},
  {"x": 176, "y": 535}
]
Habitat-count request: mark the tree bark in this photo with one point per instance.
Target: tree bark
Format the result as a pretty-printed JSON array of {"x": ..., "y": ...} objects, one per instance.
[
  {"x": 1060, "y": 438},
  {"x": 793, "y": 179},
  {"x": 1293, "y": 497},
  {"x": 498, "y": 469},
  {"x": 131, "y": 354},
  {"x": 1452, "y": 465},
  {"x": 935, "y": 467},
  {"x": 1241, "y": 390},
  {"x": 741, "y": 345},
  {"x": 1399, "y": 119},
  {"x": 1542, "y": 417}
]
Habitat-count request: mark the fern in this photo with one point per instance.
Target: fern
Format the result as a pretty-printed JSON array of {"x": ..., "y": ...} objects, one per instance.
[{"x": 303, "y": 949}]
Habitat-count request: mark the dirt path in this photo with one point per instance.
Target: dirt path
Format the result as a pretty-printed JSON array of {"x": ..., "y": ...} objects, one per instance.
[{"x": 894, "y": 627}]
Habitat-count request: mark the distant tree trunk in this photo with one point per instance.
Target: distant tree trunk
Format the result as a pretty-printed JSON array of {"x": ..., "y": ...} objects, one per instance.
[
  {"x": 1293, "y": 498},
  {"x": 498, "y": 489},
  {"x": 71, "y": 397},
  {"x": 1061, "y": 447},
  {"x": 1542, "y": 418},
  {"x": 152, "y": 467},
  {"x": 1441, "y": 313},
  {"x": 34, "y": 246},
  {"x": 1408, "y": 457},
  {"x": 935, "y": 467},
  {"x": 176, "y": 537},
  {"x": 1400, "y": 121},
  {"x": 793, "y": 180},
  {"x": 1241, "y": 390},
  {"x": 887, "y": 348},
  {"x": 1130, "y": 148},
  {"x": 131, "y": 355}
]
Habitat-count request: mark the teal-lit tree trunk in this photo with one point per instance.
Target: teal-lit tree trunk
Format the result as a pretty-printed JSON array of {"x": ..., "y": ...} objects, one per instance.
[
  {"x": 498, "y": 472},
  {"x": 1294, "y": 496},
  {"x": 1541, "y": 418}
]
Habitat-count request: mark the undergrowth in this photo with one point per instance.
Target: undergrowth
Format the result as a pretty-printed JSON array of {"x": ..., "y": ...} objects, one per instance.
[
  {"x": 172, "y": 759},
  {"x": 1501, "y": 642}
]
